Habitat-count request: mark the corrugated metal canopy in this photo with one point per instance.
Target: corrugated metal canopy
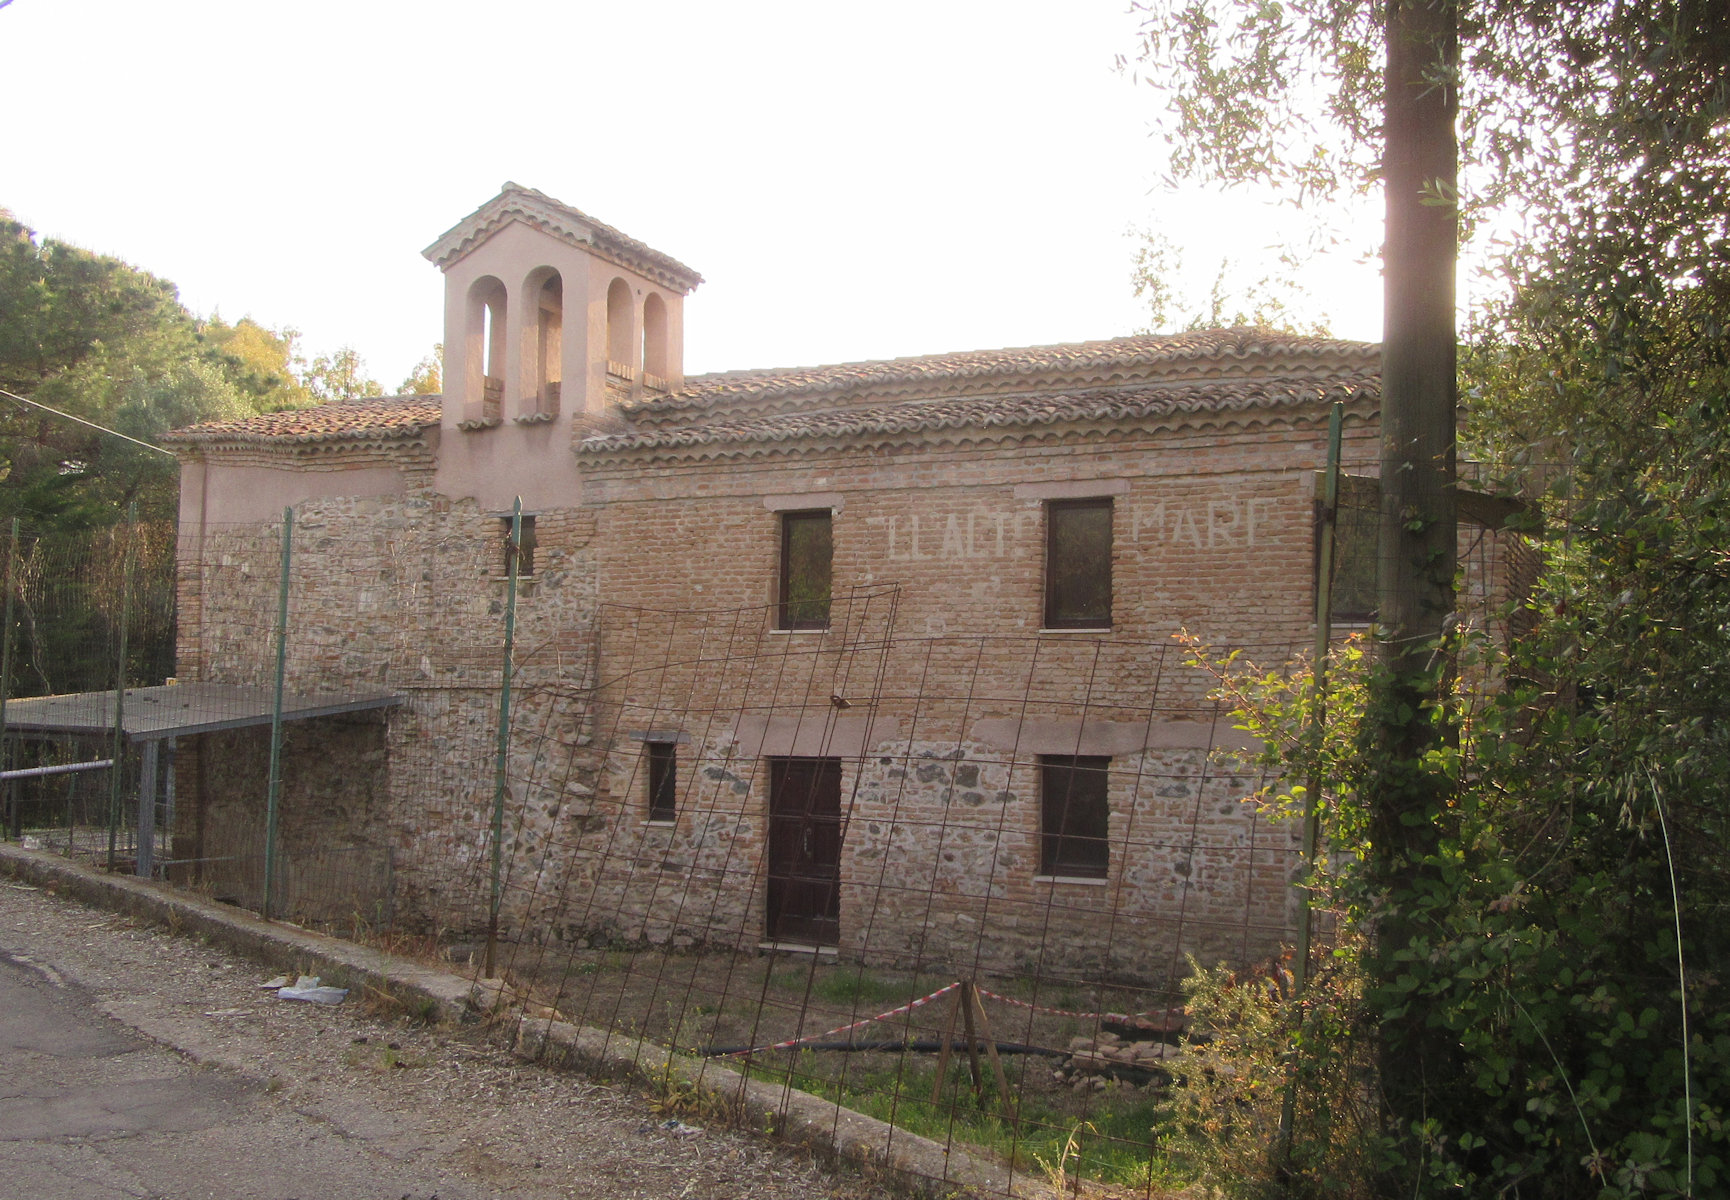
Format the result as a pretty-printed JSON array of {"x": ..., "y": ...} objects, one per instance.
[{"x": 179, "y": 709}]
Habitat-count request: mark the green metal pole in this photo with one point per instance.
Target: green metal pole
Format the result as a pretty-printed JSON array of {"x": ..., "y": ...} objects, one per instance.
[
  {"x": 6, "y": 668},
  {"x": 504, "y": 733},
  {"x": 1318, "y": 726},
  {"x": 117, "y": 771},
  {"x": 275, "y": 786},
  {"x": 1319, "y": 674}
]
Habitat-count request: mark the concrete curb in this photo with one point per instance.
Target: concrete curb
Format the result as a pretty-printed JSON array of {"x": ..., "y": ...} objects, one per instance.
[
  {"x": 426, "y": 992},
  {"x": 914, "y": 1162},
  {"x": 817, "y": 1124}
]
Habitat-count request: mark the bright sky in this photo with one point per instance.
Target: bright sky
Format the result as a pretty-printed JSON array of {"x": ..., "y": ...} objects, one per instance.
[{"x": 853, "y": 181}]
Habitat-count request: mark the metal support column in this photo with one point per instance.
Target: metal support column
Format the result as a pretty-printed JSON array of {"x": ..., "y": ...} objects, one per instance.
[
  {"x": 1330, "y": 503},
  {"x": 148, "y": 758},
  {"x": 6, "y": 675},
  {"x": 274, "y": 794},
  {"x": 504, "y": 746},
  {"x": 119, "y": 751}
]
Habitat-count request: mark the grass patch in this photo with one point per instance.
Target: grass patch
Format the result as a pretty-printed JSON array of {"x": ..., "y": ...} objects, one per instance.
[
  {"x": 1112, "y": 1144},
  {"x": 852, "y": 986}
]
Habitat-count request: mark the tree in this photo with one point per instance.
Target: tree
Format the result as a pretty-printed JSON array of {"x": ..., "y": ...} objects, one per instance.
[
  {"x": 427, "y": 377},
  {"x": 339, "y": 376},
  {"x": 1550, "y": 930},
  {"x": 1272, "y": 301},
  {"x": 260, "y": 361},
  {"x": 97, "y": 338},
  {"x": 1407, "y": 723}
]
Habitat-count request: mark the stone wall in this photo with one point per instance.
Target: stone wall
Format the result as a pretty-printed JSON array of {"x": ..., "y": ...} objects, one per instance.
[
  {"x": 333, "y": 837},
  {"x": 406, "y": 595}
]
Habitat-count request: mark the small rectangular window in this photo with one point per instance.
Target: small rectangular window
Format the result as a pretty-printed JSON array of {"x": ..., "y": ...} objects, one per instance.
[
  {"x": 807, "y": 551},
  {"x": 1078, "y": 564},
  {"x": 1075, "y": 816},
  {"x": 663, "y": 763},
  {"x": 525, "y": 553}
]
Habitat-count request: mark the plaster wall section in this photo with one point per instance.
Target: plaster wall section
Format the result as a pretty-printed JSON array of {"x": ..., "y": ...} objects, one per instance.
[{"x": 522, "y": 448}]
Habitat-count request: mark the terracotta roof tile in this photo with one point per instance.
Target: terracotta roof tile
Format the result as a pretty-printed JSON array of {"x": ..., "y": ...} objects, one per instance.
[
  {"x": 1136, "y": 403},
  {"x": 1215, "y": 370},
  {"x": 374, "y": 417},
  {"x": 1235, "y": 348}
]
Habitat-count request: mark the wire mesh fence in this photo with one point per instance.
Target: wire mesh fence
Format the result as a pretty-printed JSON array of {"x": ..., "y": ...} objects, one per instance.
[{"x": 950, "y": 881}]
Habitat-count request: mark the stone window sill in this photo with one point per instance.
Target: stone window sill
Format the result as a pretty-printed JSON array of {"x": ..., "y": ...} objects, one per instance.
[
  {"x": 801, "y": 632},
  {"x": 1082, "y": 880},
  {"x": 660, "y": 824},
  {"x": 1093, "y": 632}
]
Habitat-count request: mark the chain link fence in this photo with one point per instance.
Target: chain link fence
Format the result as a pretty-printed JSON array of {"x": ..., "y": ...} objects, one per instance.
[{"x": 949, "y": 881}]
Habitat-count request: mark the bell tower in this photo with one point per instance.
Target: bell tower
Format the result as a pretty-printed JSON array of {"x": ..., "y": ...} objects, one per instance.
[
  {"x": 550, "y": 314},
  {"x": 550, "y": 317}
]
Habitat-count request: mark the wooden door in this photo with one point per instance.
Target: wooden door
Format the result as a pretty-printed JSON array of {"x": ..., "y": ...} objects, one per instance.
[{"x": 805, "y": 850}]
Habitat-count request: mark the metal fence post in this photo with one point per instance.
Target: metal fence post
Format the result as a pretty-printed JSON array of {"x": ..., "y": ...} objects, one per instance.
[
  {"x": 118, "y": 770},
  {"x": 275, "y": 786},
  {"x": 504, "y": 731},
  {"x": 6, "y": 672},
  {"x": 1318, "y": 731}
]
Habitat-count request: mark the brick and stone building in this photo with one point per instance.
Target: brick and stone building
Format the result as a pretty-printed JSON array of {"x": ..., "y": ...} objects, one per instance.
[{"x": 876, "y": 656}]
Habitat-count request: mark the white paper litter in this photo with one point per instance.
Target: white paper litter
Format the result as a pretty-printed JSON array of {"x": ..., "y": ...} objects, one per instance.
[{"x": 307, "y": 988}]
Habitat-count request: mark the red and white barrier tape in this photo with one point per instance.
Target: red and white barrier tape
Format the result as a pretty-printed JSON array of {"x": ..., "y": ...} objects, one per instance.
[{"x": 813, "y": 1037}]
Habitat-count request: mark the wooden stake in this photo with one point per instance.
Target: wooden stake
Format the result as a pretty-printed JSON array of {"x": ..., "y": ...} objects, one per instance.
[
  {"x": 966, "y": 1001},
  {"x": 990, "y": 1047},
  {"x": 943, "y": 1056}
]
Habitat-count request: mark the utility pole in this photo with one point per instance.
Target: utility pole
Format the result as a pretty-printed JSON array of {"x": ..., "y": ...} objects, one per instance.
[{"x": 1417, "y": 547}]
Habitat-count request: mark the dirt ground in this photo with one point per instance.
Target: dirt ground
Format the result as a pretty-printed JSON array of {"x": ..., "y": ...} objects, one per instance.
[{"x": 448, "y": 1110}]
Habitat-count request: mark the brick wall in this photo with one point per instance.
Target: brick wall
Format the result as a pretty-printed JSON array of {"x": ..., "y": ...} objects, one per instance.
[{"x": 652, "y": 614}]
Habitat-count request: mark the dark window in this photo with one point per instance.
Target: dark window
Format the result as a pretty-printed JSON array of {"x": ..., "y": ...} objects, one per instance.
[
  {"x": 1354, "y": 577},
  {"x": 663, "y": 780},
  {"x": 1078, "y": 564},
  {"x": 807, "y": 547},
  {"x": 1074, "y": 815},
  {"x": 526, "y": 553}
]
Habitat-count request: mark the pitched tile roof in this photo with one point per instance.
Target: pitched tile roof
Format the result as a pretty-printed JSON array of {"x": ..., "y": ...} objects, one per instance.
[
  {"x": 1214, "y": 351},
  {"x": 557, "y": 219},
  {"x": 1143, "y": 404},
  {"x": 376, "y": 418},
  {"x": 1186, "y": 376},
  {"x": 1176, "y": 376}
]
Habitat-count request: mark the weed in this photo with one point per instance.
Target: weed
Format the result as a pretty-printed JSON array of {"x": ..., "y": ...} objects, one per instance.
[
  {"x": 386, "y": 1059},
  {"x": 1057, "y": 1172}
]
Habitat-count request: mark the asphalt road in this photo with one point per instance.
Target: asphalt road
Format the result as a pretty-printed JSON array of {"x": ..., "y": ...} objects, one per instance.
[
  {"x": 135, "y": 1063},
  {"x": 90, "y": 1109}
]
